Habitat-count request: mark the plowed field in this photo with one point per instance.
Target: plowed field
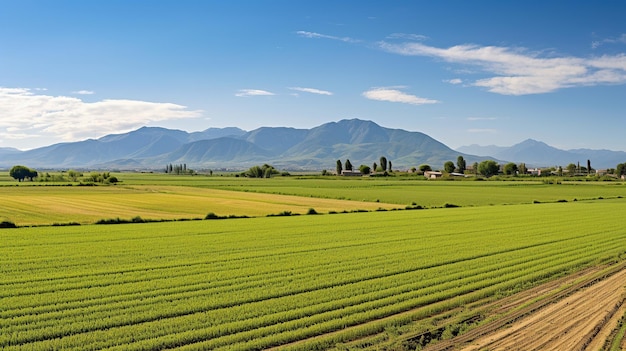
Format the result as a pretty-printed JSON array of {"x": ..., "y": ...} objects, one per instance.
[{"x": 582, "y": 320}]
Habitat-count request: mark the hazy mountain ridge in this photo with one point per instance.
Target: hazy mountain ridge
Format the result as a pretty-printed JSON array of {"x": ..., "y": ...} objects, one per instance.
[
  {"x": 363, "y": 142},
  {"x": 539, "y": 154}
]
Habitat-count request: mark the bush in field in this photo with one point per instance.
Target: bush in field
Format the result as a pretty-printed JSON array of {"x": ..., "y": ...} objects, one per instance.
[
  {"x": 7, "y": 224},
  {"x": 212, "y": 215},
  {"x": 265, "y": 171}
]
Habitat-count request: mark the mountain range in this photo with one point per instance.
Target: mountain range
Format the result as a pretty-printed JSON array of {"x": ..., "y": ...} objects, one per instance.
[
  {"x": 362, "y": 142},
  {"x": 539, "y": 154}
]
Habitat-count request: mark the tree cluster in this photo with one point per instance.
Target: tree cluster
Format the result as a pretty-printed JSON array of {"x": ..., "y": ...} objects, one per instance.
[
  {"x": 383, "y": 167},
  {"x": 178, "y": 169},
  {"x": 104, "y": 178},
  {"x": 265, "y": 171},
  {"x": 22, "y": 172}
]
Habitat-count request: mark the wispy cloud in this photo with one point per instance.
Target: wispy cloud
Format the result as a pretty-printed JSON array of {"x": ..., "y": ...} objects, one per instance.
[
  {"x": 392, "y": 94},
  {"x": 324, "y": 36},
  {"x": 253, "y": 92},
  {"x": 454, "y": 81},
  {"x": 312, "y": 91},
  {"x": 415, "y": 37},
  {"x": 25, "y": 114},
  {"x": 83, "y": 92},
  {"x": 617, "y": 40},
  {"x": 518, "y": 72}
]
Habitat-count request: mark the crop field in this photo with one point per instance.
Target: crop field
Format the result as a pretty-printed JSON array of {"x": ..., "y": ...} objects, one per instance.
[
  {"x": 167, "y": 197},
  {"x": 348, "y": 280},
  {"x": 41, "y": 205},
  {"x": 401, "y": 190}
]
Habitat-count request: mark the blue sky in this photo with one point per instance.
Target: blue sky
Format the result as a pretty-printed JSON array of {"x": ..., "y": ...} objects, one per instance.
[{"x": 463, "y": 72}]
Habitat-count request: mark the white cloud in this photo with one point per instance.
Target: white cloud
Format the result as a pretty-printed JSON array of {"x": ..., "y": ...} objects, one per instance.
[
  {"x": 24, "y": 114},
  {"x": 324, "y": 36},
  {"x": 454, "y": 81},
  {"x": 83, "y": 92},
  {"x": 519, "y": 72},
  {"x": 253, "y": 92},
  {"x": 392, "y": 94},
  {"x": 312, "y": 91}
]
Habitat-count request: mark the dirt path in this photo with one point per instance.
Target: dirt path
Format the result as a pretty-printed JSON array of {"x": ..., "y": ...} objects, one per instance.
[{"x": 580, "y": 321}]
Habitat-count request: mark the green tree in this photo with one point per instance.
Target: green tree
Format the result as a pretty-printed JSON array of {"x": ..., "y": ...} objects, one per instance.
[
  {"x": 424, "y": 168},
  {"x": 460, "y": 164},
  {"x": 571, "y": 169},
  {"x": 510, "y": 168},
  {"x": 254, "y": 172},
  {"x": 620, "y": 169},
  {"x": 73, "y": 175},
  {"x": 339, "y": 167},
  {"x": 522, "y": 168},
  {"x": 348, "y": 166},
  {"x": 588, "y": 167},
  {"x": 20, "y": 173},
  {"x": 383, "y": 163},
  {"x": 448, "y": 166},
  {"x": 488, "y": 168},
  {"x": 475, "y": 165},
  {"x": 364, "y": 169},
  {"x": 374, "y": 167},
  {"x": 390, "y": 170}
]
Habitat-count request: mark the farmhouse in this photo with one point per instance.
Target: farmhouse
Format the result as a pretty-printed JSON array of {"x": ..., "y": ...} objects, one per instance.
[
  {"x": 433, "y": 174},
  {"x": 348, "y": 173}
]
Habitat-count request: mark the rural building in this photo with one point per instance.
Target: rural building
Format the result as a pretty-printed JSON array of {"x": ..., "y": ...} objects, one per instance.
[
  {"x": 355, "y": 173},
  {"x": 433, "y": 174}
]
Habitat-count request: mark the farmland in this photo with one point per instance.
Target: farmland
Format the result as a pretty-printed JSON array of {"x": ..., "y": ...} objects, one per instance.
[
  {"x": 345, "y": 281},
  {"x": 163, "y": 197}
]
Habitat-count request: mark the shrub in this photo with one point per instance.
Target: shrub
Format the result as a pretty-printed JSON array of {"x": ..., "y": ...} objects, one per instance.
[
  {"x": 7, "y": 224},
  {"x": 311, "y": 211}
]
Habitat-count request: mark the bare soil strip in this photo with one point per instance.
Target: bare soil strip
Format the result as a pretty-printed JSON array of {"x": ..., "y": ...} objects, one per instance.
[{"x": 579, "y": 317}]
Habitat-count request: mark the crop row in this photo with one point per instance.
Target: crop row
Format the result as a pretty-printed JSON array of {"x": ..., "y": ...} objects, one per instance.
[{"x": 209, "y": 287}]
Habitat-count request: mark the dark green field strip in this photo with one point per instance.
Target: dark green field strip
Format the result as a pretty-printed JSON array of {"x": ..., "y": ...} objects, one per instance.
[
  {"x": 321, "y": 323},
  {"x": 417, "y": 287},
  {"x": 305, "y": 311},
  {"x": 153, "y": 281}
]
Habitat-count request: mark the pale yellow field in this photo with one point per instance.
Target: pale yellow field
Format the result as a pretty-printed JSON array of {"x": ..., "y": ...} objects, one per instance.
[{"x": 36, "y": 205}]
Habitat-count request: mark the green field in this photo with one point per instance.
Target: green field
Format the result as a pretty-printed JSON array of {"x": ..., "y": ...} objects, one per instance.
[
  {"x": 167, "y": 197},
  {"x": 306, "y": 282},
  {"x": 353, "y": 276}
]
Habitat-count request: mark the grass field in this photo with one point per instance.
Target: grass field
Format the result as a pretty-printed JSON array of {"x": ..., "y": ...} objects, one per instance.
[
  {"x": 166, "y": 197},
  {"x": 344, "y": 281},
  {"x": 306, "y": 282}
]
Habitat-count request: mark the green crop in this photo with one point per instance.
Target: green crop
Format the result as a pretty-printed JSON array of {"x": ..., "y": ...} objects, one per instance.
[{"x": 305, "y": 282}]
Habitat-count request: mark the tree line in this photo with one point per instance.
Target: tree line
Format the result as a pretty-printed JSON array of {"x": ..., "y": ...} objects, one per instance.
[
  {"x": 384, "y": 167},
  {"x": 20, "y": 173}
]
